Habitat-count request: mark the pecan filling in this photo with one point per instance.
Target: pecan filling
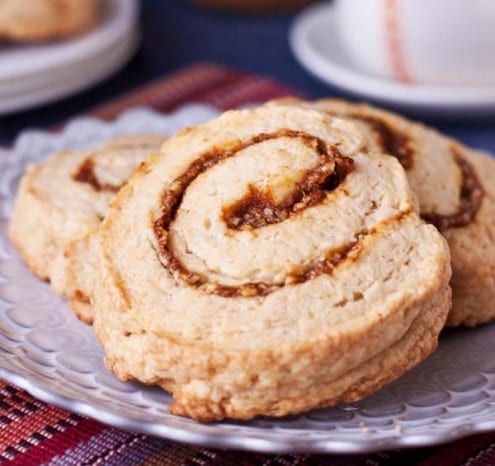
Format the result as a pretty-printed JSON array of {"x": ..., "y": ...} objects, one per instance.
[
  {"x": 470, "y": 199},
  {"x": 258, "y": 209},
  {"x": 86, "y": 174}
]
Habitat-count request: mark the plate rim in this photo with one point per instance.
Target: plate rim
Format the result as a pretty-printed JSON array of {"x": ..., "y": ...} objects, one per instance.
[{"x": 245, "y": 443}]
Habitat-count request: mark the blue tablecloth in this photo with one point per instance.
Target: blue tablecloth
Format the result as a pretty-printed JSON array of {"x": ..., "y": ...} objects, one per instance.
[{"x": 177, "y": 33}]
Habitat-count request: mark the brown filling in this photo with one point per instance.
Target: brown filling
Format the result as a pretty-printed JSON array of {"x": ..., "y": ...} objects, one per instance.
[
  {"x": 469, "y": 202},
  {"x": 86, "y": 174},
  {"x": 258, "y": 209},
  {"x": 396, "y": 143},
  {"x": 323, "y": 266},
  {"x": 391, "y": 141}
]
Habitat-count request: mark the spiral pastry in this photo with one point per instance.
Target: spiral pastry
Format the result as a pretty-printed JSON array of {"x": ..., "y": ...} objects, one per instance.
[
  {"x": 264, "y": 264},
  {"x": 456, "y": 191},
  {"x": 47, "y": 19},
  {"x": 60, "y": 205}
]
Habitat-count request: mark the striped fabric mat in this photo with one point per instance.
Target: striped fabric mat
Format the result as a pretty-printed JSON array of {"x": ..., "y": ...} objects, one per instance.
[{"x": 34, "y": 433}]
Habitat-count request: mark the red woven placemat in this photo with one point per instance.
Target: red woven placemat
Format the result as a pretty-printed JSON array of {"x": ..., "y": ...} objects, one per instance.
[
  {"x": 33, "y": 433},
  {"x": 221, "y": 87}
]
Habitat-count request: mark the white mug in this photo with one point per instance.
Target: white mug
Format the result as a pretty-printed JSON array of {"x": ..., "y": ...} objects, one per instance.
[{"x": 448, "y": 42}]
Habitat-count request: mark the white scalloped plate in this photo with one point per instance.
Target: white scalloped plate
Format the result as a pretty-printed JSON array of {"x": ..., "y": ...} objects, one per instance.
[{"x": 46, "y": 351}]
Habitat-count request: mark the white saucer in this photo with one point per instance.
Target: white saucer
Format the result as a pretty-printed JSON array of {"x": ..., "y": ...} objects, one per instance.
[
  {"x": 315, "y": 43},
  {"x": 31, "y": 75}
]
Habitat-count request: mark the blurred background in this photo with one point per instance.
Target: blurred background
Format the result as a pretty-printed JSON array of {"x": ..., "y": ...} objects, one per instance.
[
  {"x": 251, "y": 35},
  {"x": 176, "y": 33}
]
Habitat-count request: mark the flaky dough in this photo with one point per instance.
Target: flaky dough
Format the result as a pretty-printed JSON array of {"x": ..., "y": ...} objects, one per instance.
[{"x": 264, "y": 264}]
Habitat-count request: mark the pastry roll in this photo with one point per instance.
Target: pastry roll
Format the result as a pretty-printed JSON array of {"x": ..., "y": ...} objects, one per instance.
[{"x": 266, "y": 263}]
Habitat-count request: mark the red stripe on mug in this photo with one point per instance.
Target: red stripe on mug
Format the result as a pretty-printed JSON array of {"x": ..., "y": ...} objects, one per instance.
[{"x": 394, "y": 41}]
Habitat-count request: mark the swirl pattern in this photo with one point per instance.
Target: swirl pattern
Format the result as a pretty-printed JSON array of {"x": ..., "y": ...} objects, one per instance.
[
  {"x": 470, "y": 199},
  {"x": 394, "y": 142},
  {"x": 456, "y": 193},
  {"x": 421, "y": 152},
  {"x": 86, "y": 174},
  {"x": 258, "y": 209},
  {"x": 60, "y": 204},
  {"x": 387, "y": 140},
  {"x": 108, "y": 167},
  {"x": 267, "y": 236}
]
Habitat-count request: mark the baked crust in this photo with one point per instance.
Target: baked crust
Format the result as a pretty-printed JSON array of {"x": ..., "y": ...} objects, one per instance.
[
  {"x": 47, "y": 19},
  {"x": 339, "y": 330},
  {"x": 59, "y": 207},
  {"x": 472, "y": 249},
  {"x": 456, "y": 190}
]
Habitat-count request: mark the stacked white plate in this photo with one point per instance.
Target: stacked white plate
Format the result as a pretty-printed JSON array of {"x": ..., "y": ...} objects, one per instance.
[{"x": 31, "y": 75}]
